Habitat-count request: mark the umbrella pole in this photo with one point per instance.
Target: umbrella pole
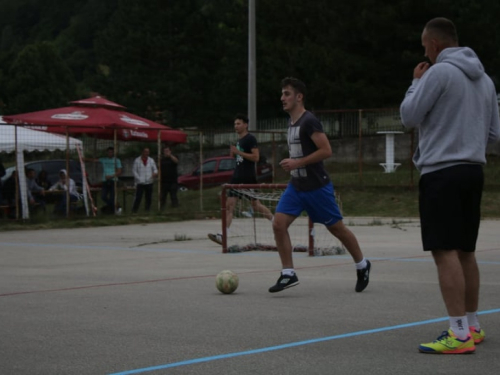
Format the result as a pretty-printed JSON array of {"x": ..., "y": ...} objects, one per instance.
[
  {"x": 201, "y": 171},
  {"x": 16, "y": 195},
  {"x": 159, "y": 170},
  {"x": 67, "y": 172},
  {"x": 94, "y": 165},
  {"x": 115, "y": 182}
]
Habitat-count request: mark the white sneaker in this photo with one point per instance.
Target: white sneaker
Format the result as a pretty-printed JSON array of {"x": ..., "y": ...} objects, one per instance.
[
  {"x": 119, "y": 211},
  {"x": 246, "y": 214},
  {"x": 217, "y": 238}
]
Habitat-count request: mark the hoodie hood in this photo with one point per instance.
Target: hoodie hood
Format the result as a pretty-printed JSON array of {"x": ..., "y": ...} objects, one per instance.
[{"x": 464, "y": 59}]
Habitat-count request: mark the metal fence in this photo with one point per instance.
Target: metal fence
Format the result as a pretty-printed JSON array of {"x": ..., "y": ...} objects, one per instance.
[
  {"x": 336, "y": 123},
  {"x": 359, "y": 140}
]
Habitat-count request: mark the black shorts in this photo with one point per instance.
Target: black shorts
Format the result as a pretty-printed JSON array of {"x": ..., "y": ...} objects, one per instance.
[
  {"x": 240, "y": 194},
  {"x": 450, "y": 207}
]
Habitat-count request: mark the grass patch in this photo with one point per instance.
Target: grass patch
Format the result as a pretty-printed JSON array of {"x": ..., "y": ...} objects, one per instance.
[
  {"x": 384, "y": 195},
  {"x": 379, "y": 201}
]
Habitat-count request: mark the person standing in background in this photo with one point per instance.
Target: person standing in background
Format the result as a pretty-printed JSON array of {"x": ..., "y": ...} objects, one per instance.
[
  {"x": 145, "y": 172},
  {"x": 453, "y": 104},
  {"x": 169, "y": 175},
  {"x": 111, "y": 169}
]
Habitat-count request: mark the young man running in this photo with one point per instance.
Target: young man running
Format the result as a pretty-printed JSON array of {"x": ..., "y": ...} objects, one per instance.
[
  {"x": 247, "y": 154},
  {"x": 309, "y": 189}
]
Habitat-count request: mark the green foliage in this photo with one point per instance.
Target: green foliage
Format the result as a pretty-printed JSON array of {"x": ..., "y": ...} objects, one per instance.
[
  {"x": 184, "y": 62},
  {"x": 38, "y": 79},
  {"x": 174, "y": 60}
]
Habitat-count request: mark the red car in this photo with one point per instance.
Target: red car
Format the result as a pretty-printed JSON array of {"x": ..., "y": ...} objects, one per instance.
[{"x": 218, "y": 171}]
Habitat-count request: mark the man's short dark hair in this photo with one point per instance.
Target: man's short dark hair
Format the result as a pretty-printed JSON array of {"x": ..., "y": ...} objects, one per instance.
[
  {"x": 110, "y": 148},
  {"x": 442, "y": 28},
  {"x": 297, "y": 84},
  {"x": 242, "y": 117}
]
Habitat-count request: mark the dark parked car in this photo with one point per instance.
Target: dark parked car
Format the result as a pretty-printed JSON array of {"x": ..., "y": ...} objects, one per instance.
[
  {"x": 52, "y": 167},
  {"x": 218, "y": 171}
]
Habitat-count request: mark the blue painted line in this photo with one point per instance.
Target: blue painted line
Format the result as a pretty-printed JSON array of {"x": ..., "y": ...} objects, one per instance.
[
  {"x": 398, "y": 259},
  {"x": 432, "y": 260},
  {"x": 286, "y": 346}
]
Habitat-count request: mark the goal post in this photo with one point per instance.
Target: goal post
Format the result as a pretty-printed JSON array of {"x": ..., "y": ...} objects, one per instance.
[{"x": 251, "y": 230}]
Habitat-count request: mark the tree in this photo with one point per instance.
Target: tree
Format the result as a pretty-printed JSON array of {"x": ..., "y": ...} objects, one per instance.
[
  {"x": 169, "y": 59},
  {"x": 184, "y": 62},
  {"x": 38, "y": 79}
]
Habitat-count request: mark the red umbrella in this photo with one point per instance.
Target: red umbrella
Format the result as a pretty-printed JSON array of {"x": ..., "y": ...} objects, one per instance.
[
  {"x": 97, "y": 101},
  {"x": 99, "y": 118}
]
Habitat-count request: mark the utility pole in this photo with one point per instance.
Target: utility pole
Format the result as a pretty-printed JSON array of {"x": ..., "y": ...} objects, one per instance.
[{"x": 252, "y": 77}]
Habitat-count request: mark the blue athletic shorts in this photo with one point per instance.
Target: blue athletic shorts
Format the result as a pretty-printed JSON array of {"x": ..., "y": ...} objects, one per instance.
[{"x": 319, "y": 204}]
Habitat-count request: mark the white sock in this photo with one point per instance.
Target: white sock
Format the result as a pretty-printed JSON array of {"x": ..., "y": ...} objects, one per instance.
[
  {"x": 288, "y": 271},
  {"x": 472, "y": 320},
  {"x": 361, "y": 265},
  {"x": 459, "y": 326}
]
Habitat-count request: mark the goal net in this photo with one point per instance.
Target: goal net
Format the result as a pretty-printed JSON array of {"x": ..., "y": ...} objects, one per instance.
[{"x": 251, "y": 230}]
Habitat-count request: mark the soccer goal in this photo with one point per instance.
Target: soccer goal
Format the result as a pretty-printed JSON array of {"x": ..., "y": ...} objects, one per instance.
[{"x": 250, "y": 230}]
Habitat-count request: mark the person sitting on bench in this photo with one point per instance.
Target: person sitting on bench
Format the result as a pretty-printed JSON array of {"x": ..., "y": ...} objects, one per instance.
[{"x": 62, "y": 185}]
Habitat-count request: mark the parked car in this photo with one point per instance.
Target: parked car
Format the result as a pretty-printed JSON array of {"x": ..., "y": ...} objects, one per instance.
[
  {"x": 52, "y": 167},
  {"x": 218, "y": 171}
]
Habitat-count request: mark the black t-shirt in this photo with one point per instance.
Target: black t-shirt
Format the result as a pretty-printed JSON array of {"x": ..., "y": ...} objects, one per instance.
[
  {"x": 244, "y": 173},
  {"x": 2, "y": 172},
  {"x": 300, "y": 144},
  {"x": 168, "y": 170}
]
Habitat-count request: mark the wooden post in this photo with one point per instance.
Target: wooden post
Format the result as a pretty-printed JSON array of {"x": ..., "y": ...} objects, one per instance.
[{"x": 360, "y": 157}]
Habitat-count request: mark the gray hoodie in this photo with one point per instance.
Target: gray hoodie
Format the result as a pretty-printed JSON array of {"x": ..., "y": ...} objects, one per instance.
[{"x": 454, "y": 106}]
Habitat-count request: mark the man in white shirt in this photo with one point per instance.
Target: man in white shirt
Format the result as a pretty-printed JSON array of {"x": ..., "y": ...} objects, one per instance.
[
  {"x": 145, "y": 172},
  {"x": 65, "y": 184}
]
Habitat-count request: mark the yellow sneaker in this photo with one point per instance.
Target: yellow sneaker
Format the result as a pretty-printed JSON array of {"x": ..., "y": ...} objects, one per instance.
[
  {"x": 448, "y": 343},
  {"x": 477, "y": 336}
]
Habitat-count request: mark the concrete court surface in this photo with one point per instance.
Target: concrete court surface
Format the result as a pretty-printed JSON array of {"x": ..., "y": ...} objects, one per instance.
[{"x": 131, "y": 300}]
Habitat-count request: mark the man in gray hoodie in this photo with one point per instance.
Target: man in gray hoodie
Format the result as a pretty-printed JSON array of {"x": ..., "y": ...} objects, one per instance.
[{"x": 453, "y": 104}]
